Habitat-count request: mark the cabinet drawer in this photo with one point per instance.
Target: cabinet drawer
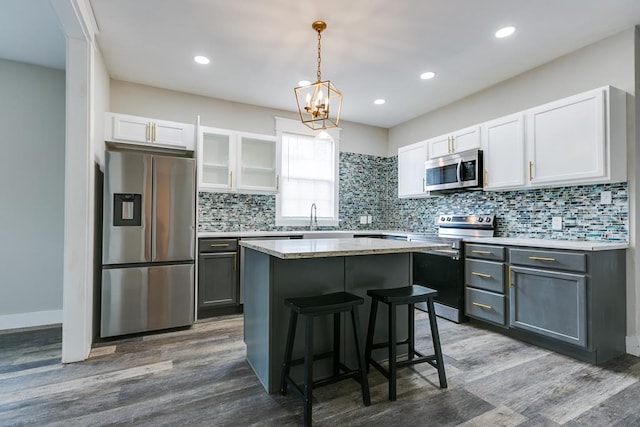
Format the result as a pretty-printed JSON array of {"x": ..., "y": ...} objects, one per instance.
[
  {"x": 549, "y": 259},
  {"x": 489, "y": 252},
  {"x": 485, "y": 275},
  {"x": 485, "y": 305},
  {"x": 217, "y": 245}
]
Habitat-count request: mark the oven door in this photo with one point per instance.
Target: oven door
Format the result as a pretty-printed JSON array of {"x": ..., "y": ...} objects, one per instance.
[
  {"x": 442, "y": 270},
  {"x": 456, "y": 171}
]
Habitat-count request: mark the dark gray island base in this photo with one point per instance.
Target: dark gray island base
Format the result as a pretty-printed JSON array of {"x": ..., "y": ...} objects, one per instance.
[{"x": 292, "y": 269}]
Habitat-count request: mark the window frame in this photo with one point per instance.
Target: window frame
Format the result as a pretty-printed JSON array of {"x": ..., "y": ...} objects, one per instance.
[{"x": 290, "y": 126}]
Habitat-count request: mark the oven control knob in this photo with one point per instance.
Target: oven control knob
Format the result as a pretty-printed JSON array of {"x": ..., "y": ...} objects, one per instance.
[
  {"x": 448, "y": 219},
  {"x": 480, "y": 219},
  {"x": 442, "y": 218},
  {"x": 488, "y": 219}
]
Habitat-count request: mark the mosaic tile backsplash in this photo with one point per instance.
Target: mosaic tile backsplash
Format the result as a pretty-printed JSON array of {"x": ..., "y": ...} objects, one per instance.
[{"x": 368, "y": 186}]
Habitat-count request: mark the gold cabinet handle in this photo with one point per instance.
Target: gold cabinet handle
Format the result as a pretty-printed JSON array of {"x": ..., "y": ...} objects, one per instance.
[
  {"x": 155, "y": 128},
  {"x": 475, "y": 273},
  {"x": 485, "y": 178},
  {"x": 148, "y": 131},
  {"x": 277, "y": 182},
  {"x": 488, "y": 307},
  {"x": 510, "y": 282},
  {"x": 453, "y": 148},
  {"x": 230, "y": 179},
  {"x": 541, "y": 258},
  {"x": 477, "y": 251},
  {"x": 219, "y": 245},
  {"x": 530, "y": 170}
]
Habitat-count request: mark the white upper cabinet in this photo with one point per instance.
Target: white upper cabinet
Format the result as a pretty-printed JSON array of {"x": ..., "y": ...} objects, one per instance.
[
  {"x": 216, "y": 159},
  {"x": 143, "y": 130},
  {"x": 503, "y": 153},
  {"x": 580, "y": 139},
  {"x": 454, "y": 142},
  {"x": 411, "y": 160},
  {"x": 231, "y": 161},
  {"x": 257, "y": 163}
]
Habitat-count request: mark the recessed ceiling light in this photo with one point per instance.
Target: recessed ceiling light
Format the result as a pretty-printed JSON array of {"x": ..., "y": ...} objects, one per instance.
[
  {"x": 505, "y": 32},
  {"x": 379, "y": 101},
  {"x": 304, "y": 83},
  {"x": 201, "y": 59},
  {"x": 428, "y": 75}
]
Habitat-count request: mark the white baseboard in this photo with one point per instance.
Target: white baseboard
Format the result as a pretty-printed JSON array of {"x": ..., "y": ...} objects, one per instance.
[
  {"x": 633, "y": 345},
  {"x": 28, "y": 320}
]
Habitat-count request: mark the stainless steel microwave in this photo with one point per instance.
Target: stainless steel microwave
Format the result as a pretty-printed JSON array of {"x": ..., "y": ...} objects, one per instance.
[{"x": 454, "y": 171}]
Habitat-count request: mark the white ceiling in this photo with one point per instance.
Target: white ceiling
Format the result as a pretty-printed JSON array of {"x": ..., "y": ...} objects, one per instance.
[{"x": 371, "y": 49}]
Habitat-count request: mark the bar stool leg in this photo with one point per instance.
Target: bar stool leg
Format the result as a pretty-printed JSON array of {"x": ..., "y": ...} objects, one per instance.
[
  {"x": 308, "y": 369},
  {"x": 436, "y": 343},
  {"x": 336, "y": 344},
  {"x": 370, "y": 330},
  {"x": 411, "y": 332},
  {"x": 392, "y": 352},
  {"x": 286, "y": 365},
  {"x": 364, "y": 383}
]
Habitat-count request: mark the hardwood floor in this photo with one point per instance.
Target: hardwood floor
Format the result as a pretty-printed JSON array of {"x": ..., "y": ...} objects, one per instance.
[{"x": 199, "y": 377}]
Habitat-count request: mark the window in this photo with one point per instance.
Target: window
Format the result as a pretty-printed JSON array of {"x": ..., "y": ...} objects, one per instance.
[{"x": 308, "y": 174}]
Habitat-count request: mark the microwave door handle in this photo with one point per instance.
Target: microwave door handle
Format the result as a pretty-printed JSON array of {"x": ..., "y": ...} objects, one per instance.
[{"x": 459, "y": 172}]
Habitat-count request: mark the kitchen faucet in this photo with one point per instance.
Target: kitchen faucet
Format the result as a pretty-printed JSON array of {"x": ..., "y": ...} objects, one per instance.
[{"x": 313, "y": 219}]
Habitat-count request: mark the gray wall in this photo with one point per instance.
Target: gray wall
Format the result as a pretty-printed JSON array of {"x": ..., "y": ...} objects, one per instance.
[
  {"x": 32, "y": 119},
  {"x": 146, "y": 101},
  {"x": 608, "y": 62}
]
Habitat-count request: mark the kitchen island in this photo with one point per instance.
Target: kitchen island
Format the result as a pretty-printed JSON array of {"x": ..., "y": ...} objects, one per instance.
[{"x": 277, "y": 269}]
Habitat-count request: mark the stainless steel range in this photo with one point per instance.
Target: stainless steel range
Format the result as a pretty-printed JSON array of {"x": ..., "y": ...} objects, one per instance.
[{"x": 443, "y": 270}]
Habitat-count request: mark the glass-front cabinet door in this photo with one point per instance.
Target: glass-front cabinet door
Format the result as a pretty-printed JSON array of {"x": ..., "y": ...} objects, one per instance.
[
  {"x": 217, "y": 159},
  {"x": 257, "y": 163},
  {"x": 231, "y": 161}
]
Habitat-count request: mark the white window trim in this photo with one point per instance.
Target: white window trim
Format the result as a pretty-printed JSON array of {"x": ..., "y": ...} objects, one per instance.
[{"x": 283, "y": 125}]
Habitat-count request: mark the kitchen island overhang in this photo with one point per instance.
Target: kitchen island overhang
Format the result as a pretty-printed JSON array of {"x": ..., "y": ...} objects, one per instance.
[{"x": 274, "y": 270}]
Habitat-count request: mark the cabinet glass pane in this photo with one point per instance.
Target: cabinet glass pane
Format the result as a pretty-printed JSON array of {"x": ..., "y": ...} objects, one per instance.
[
  {"x": 258, "y": 160},
  {"x": 215, "y": 159}
]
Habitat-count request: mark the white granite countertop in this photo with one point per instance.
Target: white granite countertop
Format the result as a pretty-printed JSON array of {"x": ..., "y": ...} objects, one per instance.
[
  {"x": 319, "y": 233},
  {"x": 322, "y": 248},
  {"x": 578, "y": 245}
]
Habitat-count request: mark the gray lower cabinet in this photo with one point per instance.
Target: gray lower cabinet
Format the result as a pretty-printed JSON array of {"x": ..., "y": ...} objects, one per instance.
[
  {"x": 549, "y": 303},
  {"x": 573, "y": 302},
  {"x": 484, "y": 283},
  {"x": 217, "y": 274}
]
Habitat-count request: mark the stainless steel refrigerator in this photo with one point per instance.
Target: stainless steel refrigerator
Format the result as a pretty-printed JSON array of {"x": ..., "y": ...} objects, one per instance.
[{"x": 148, "y": 243}]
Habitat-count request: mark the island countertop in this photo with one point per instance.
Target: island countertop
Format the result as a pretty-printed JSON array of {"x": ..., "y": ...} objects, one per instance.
[{"x": 323, "y": 248}]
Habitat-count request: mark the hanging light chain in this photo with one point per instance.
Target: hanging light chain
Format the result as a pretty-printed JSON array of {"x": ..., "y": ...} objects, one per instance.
[{"x": 319, "y": 57}]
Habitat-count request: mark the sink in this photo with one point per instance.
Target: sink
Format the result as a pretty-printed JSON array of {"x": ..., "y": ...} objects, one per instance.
[{"x": 327, "y": 235}]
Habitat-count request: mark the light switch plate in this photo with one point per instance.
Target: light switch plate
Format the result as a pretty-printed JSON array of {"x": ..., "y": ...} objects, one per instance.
[
  {"x": 363, "y": 219},
  {"x": 556, "y": 223},
  {"x": 605, "y": 198},
  {"x": 369, "y": 219}
]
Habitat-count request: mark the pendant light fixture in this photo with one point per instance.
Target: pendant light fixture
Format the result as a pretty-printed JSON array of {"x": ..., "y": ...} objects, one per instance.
[{"x": 319, "y": 103}]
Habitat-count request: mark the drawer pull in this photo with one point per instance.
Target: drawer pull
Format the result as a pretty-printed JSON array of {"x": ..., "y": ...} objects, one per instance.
[
  {"x": 219, "y": 245},
  {"x": 541, "y": 258},
  {"x": 488, "y": 307},
  {"x": 510, "y": 282},
  {"x": 475, "y": 273},
  {"x": 476, "y": 251}
]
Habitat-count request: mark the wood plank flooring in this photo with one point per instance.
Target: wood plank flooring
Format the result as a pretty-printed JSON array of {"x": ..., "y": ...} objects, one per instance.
[{"x": 199, "y": 377}]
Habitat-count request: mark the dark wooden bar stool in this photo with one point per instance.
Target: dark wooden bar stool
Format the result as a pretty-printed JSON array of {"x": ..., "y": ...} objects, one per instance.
[
  {"x": 407, "y": 295},
  {"x": 311, "y": 307}
]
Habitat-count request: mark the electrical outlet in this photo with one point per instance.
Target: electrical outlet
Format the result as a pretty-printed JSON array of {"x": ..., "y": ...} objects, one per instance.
[
  {"x": 605, "y": 198},
  {"x": 556, "y": 223},
  {"x": 369, "y": 219},
  {"x": 363, "y": 219}
]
